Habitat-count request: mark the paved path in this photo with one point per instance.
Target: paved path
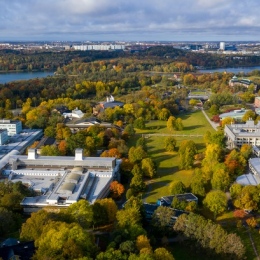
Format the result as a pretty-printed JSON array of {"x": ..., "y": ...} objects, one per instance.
[{"x": 213, "y": 124}]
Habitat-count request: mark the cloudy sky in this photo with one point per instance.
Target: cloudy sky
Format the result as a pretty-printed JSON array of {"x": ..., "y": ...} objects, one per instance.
[{"x": 125, "y": 20}]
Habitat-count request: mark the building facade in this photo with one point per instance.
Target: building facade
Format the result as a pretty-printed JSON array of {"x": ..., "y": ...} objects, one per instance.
[
  {"x": 239, "y": 134},
  {"x": 13, "y": 127},
  {"x": 3, "y": 136}
]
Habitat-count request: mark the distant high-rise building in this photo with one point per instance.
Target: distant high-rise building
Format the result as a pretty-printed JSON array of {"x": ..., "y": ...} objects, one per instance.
[{"x": 222, "y": 46}]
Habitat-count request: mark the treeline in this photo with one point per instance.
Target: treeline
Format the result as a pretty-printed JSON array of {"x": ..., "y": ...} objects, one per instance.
[
  {"x": 208, "y": 60},
  {"x": 38, "y": 60}
]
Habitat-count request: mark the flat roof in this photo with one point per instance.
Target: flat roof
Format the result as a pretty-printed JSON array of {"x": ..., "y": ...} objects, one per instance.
[
  {"x": 235, "y": 113},
  {"x": 248, "y": 179}
]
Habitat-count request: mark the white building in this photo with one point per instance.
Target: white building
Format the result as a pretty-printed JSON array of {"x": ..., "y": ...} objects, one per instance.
[
  {"x": 222, "y": 46},
  {"x": 13, "y": 127},
  {"x": 62, "y": 180},
  {"x": 98, "y": 47},
  {"x": 239, "y": 134},
  {"x": 75, "y": 113}
]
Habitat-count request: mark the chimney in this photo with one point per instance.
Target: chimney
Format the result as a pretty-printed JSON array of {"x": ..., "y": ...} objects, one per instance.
[
  {"x": 78, "y": 154},
  {"x": 32, "y": 154}
]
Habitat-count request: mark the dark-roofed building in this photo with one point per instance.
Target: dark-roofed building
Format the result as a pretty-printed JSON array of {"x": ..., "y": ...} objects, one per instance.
[
  {"x": 167, "y": 200},
  {"x": 150, "y": 209},
  {"x": 242, "y": 82},
  {"x": 22, "y": 251}
]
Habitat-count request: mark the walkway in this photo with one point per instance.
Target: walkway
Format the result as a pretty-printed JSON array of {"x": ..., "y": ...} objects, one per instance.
[{"x": 213, "y": 124}]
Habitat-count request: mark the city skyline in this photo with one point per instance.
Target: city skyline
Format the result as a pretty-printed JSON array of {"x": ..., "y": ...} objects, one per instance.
[{"x": 83, "y": 20}]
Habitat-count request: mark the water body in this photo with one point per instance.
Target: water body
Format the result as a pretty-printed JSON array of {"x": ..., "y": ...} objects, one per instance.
[
  {"x": 13, "y": 76},
  {"x": 232, "y": 70}
]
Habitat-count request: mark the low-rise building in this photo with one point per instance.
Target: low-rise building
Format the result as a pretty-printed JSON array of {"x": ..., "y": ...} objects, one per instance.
[
  {"x": 239, "y": 134},
  {"x": 167, "y": 200},
  {"x": 62, "y": 180},
  {"x": 235, "y": 81},
  {"x": 13, "y": 127},
  {"x": 237, "y": 114},
  {"x": 150, "y": 209}
]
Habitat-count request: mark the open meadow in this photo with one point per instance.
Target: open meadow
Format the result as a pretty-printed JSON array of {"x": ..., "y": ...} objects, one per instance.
[{"x": 195, "y": 126}]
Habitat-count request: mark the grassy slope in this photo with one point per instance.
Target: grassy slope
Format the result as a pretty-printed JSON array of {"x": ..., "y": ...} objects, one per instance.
[{"x": 194, "y": 123}]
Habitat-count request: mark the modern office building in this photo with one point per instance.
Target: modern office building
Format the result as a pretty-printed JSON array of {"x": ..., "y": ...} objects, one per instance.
[
  {"x": 13, "y": 127},
  {"x": 239, "y": 134}
]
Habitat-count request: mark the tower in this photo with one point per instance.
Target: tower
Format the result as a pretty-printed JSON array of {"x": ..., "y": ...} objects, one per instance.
[{"x": 222, "y": 46}]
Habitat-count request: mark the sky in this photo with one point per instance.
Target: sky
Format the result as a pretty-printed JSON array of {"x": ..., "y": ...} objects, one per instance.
[{"x": 129, "y": 20}]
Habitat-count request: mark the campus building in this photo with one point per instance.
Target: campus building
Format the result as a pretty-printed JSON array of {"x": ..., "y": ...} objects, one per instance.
[
  {"x": 239, "y": 134},
  {"x": 237, "y": 114},
  {"x": 62, "y": 180},
  {"x": 3, "y": 136},
  {"x": 235, "y": 81},
  {"x": 13, "y": 127}
]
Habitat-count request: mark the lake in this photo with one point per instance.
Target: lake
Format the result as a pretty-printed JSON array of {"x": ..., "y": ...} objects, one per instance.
[
  {"x": 232, "y": 70},
  {"x": 13, "y": 76}
]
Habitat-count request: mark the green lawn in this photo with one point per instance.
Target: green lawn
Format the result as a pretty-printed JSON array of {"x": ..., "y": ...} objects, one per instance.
[
  {"x": 243, "y": 233},
  {"x": 194, "y": 123}
]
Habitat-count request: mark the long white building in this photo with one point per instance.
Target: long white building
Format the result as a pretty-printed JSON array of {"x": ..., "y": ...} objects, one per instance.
[
  {"x": 62, "y": 180},
  {"x": 239, "y": 134}
]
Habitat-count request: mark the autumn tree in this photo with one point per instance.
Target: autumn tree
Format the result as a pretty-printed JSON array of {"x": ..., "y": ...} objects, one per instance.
[
  {"x": 187, "y": 151},
  {"x": 252, "y": 222},
  {"x": 81, "y": 212},
  {"x": 235, "y": 163},
  {"x": 50, "y": 150},
  {"x": 128, "y": 217},
  {"x": 176, "y": 187},
  {"x": 136, "y": 154},
  {"x": 164, "y": 114},
  {"x": 220, "y": 179},
  {"x": 60, "y": 240},
  {"x": 212, "y": 157},
  {"x": 170, "y": 144},
  {"x": 216, "y": 202},
  {"x": 162, "y": 219},
  {"x": 139, "y": 123},
  {"x": 111, "y": 208},
  {"x": 142, "y": 241},
  {"x": 178, "y": 124},
  {"x": 137, "y": 183},
  {"x": 248, "y": 198},
  {"x": 148, "y": 167},
  {"x": 117, "y": 189},
  {"x": 227, "y": 121},
  {"x": 210, "y": 236},
  {"x": 249, "y": 115},
  {"x": 246, "y": 150},
  {"x": 33, "y": 227},
  {"x": 161, "y": 253},
  {"x": 171, "y": 123},
  {"x": 198, "y": 183}
]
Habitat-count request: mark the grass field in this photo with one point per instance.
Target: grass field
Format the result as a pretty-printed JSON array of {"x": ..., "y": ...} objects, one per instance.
[{"x": 194, "y": 123}]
